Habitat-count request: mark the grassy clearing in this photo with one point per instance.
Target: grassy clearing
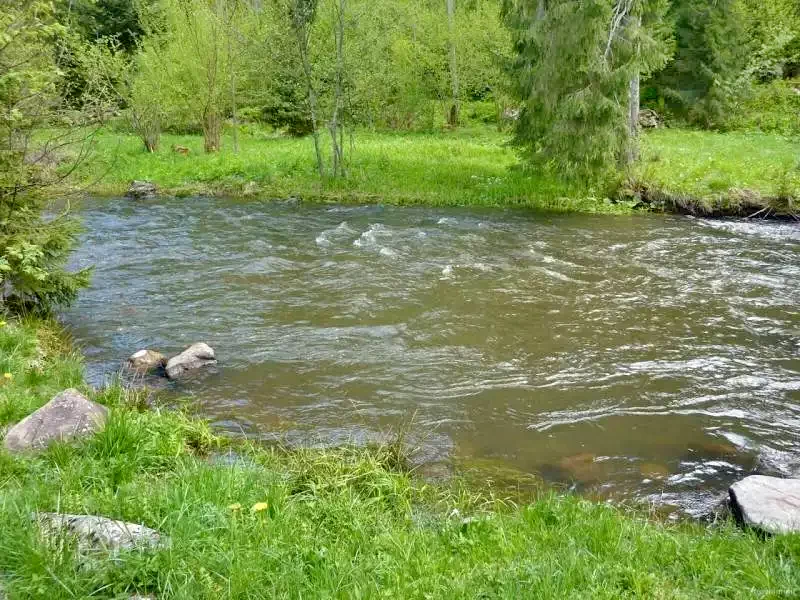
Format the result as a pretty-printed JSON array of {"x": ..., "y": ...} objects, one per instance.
[
  {"x": 349, "y": 523},
  {"x": 469, "y": 167},
  {"x": 723, "y": 173}
]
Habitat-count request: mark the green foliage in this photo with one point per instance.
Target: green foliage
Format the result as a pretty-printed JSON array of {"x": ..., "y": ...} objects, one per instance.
[
  {"x": 704, "y": 78},
  {"x": 104, "y": 19},
  {"x": 773, "y": 32},
  {"x": 33, "y": 249},
  {"x": 772, "y": 108},
  {"x": 575, "y": 62}
]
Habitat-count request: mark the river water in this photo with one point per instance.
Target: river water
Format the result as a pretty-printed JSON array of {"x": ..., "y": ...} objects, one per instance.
[{"x": 643, "y": 358}]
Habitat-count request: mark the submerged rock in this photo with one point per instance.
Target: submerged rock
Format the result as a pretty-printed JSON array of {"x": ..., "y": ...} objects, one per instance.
[
  {"x": 194, "y": 357},
  {"x": 142, "y": 190},
  {"x": 146, "y": 360},
  {"x": 770, "y": 504},
  {"x": 102, "y": 533},
  {"x": 68, "y": 415}
]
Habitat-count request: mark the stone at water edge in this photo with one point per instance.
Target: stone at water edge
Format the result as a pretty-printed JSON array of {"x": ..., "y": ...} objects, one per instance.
[
  {"x": 146, "y": 360},
  {"x": 68, "y": 415},
  {"x": 142, "y": 190},
  {"x": 767, "y": 503},
  {"x": 194, "y": 357},
  {"x": 94, "y": 532}
]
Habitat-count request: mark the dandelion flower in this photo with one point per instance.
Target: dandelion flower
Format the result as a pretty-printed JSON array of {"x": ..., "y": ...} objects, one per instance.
[
  {"x": 8, "y": 376},
  {"x": 234, "y": 507},
  {"x": 258, "y": 507}
]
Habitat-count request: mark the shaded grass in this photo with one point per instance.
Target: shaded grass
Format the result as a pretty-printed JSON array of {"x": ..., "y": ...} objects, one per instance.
[{"x": 344, "y": 523}]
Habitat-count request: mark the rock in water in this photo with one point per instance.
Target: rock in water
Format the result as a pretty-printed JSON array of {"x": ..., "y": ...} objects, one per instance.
[
  {"x": 142, "y": 190},
  {"x": 767, "y": 503},
  {"x": 68, "y": 415},
  {"x": 194, "y": 357},
  {"x": 101, "y": 532},
  {"x": 146, "y": 360}
]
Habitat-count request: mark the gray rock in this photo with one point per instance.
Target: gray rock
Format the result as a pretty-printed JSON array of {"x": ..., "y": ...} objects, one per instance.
[
  {"x": 146, "y": 360},
  {"x": 100, "y": 532},
  {"x": 142, "y": 190},
  {"x": 649, "y": 119},
  {"x": 194, "y": 357},
  {"x": 68, "y": 415},
  {"x": 770, "y": 504}
]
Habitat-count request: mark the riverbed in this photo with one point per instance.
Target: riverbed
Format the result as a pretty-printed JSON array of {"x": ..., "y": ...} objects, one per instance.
[{"x": 643, "y": 358}]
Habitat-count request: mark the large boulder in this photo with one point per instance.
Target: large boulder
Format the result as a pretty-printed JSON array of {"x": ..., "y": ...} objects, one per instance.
[
  {"x": 68, "y": 415},
  {"x": 142, "y": 190},
  {"x": 770, "y": 504},
  {"x": 100, "y": 532},
  {"x": 194, "y": 357},
  {"x": 146, "y": 360}
]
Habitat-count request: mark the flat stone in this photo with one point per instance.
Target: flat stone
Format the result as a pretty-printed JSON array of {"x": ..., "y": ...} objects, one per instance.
[
  {"x": 68, "y": 415},
  {"x": 770, "y": 504},
  {"x": 146, "y": 360},
  {"x": 102, "y": 533},
  {"x": 194, "y": 357}
]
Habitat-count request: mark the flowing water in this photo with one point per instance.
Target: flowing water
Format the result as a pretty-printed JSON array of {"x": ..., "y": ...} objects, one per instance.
[{"x": 639, "y": 358}]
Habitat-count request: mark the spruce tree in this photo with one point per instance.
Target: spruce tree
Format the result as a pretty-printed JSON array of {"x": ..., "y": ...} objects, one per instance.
[
  {"x": 33, "y": 249},
  {"x": 702, "y": 81},
  {"x": 577, "y": 62}
]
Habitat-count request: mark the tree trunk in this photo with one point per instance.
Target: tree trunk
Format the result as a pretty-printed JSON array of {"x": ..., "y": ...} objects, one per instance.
[
  {"x": 633, "y": 121},
  {"x": 455, "y": 108},
  {"x": 336, "y": 127},
  {"x": 212, "y": 128},
  {"x": 302, "y": 46},
  {"x": 540, "y": 10},
  {"x": 233, "y": 82}
]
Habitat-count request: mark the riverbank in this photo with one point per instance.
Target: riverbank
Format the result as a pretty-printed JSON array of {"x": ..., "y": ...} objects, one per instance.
[
  {"x": 682, "y": 171},
  {"x": 263, "y": 522}
]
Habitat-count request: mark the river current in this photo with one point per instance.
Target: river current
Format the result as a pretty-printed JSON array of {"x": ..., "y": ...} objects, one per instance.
[{"x": 644, "y": 358}]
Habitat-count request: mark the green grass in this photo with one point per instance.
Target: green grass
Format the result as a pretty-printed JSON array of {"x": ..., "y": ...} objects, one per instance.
[
  {"x": 347, "y": 523},
  {"x": 469, "y": 167},
  {"x": 473, "y": 166},
  {"x": 720, "y": 170}
]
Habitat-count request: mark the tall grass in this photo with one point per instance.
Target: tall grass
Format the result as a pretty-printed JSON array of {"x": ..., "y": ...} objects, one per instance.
[{"x": 343, "y": 523}]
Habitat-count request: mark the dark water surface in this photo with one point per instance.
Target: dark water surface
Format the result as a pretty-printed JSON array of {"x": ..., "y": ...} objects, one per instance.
[{"x": 643, "y": 358}]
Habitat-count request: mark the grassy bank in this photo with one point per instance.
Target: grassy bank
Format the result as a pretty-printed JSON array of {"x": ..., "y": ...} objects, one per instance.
[
  {"x": 469, "y": 167},
  {"x": 314, "y": 524},
  {"x": 724, "y": 174}
]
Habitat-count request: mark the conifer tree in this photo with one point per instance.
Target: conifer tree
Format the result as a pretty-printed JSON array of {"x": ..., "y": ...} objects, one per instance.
[
  {"x": 712, "y": 48},
  {"x": 33, "y": 250},
  {"x": 575, "y": 65}
]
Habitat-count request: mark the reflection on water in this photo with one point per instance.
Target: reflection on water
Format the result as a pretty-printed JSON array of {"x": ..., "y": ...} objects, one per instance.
[{"x": 644, "y": 358}]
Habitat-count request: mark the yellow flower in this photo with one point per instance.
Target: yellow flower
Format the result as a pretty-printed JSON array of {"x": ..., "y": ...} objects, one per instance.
[
  {"x": 235, "y": 507},
  {"x": 2, "y": 323},
  {"x": 258, "y": 507},
  {"x": 8, "y": 376}
]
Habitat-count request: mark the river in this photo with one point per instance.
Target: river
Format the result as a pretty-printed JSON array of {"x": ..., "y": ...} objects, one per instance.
[{"x": 644, "y": 358}]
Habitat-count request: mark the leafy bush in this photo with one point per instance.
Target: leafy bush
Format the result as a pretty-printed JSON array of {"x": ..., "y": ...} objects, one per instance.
[{"x": 771, "y": 108}]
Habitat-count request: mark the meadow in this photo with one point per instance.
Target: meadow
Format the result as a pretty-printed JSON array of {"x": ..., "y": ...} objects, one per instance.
[{"x": 475, "y": 166}]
